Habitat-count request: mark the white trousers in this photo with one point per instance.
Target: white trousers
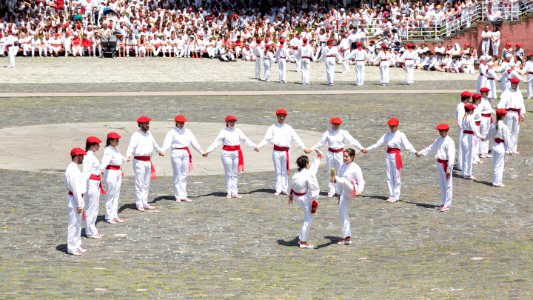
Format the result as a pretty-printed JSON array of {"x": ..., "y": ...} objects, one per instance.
[
  {"x": 460, "y": 149},
  {"x": 74, "y": 226},
  {"x": 92, "y": 202},
  {"x": 484, "y": 129},
  {"x": 305, "y": 203},
  {"x": 410, "y": 73},
  {"x": 345, "y": 187},
  {"x": 346, "y": 65},
  {"x": 258, "y": 66},
  {"x": 514, "y": 126},
  {"x": 530, "y": 86},
  {"x": 393, "y": 176},
  {"x": 467, "y": 145},
  {"x": 384, "y": 73},
  {"x": 180, "y": 170},
  {"x": 360, "y": 73},
  {"x": 485, "y": 46},
  {"x": 282, "y": 67},
  {"x": 498, "y": 161},
  {"x": 113, "y": 182},
  {"x": 298, "y": 61},
  {"x": 280, "y": 169},
  {"x": 306, "y": 70},
  {"x": 12, "y": 52},
  {"x": 142, "y": 170},
  {"x": 334, "y": 161},
  {"x": 330, "y": 70},
  {"x": 446, "y": 187},
  {"x": 475, "y": 150},
  {"x": 230, "y": 161}
]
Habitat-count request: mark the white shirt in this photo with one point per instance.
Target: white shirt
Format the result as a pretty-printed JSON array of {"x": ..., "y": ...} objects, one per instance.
[
  {"x": 353, "y": 172},
  {"x": 305, "y": 181},
  {"x": 180, "y": 138},
  {"x": 469, "y": 123},
  {"x": 142, "y": 144},
  {"x": 358, "y": 55},
  {"x": 281, "y": 135},
  {"x": 512, "y": 99},
  {"x": 305, "y": 51},
  {"x": 230, "y": 137},
  {"x": 485, "y": 107},
  {"x": 112, "y": 157},
  {"x": 394, "y": 140},
  {"x": 336, "y": 139},
  {"x": 502, "y": 132},
  {"x": 91, "y": 165},
  {"x": 330, "y": 53},
  {"x": 442, "y": 148},
  {"x": 75, "y": 183},
  {"x": 460, "y": 113},
  {"x": 409, "y": 57}
]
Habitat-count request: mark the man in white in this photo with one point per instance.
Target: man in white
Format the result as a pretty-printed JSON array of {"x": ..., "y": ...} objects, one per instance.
[
  {"x": 408, "y": 59},
  {"x": 459, "y": 114},
  {"x": 75, "y": 184},
  {"x": 486, "y": 121},
  {"x": 513, "y": 101},
  {"x": 12, "y": 48},
  {"x": 282, "y": 54},
  {"x": 305, "y": 53},
  {"x": 443, "y": 148},
  {"x": 281, "y": 135},
  {"x": 528, "y": 69},
  {"x": 259, "y": 54},
  {"x": 335, "y": 138},
  {"x": 330, "y": 55},
  {"x": 142, "y": 144},
  {"x": 360, "y": 55}
]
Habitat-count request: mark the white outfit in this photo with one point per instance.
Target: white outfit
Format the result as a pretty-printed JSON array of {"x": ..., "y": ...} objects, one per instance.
[
  {"x": 486, "y": 120},
  {"x": 91, "y": 166},
  {"x": 490, "y": 82},
  {"x": 335, "y": 140},
  {"x": 408, "y": 58},
  {"x": 282, "y": 54},
  {"x": 481, "y": 77},
  {"x": 360, "y": 55},
  {"x": 330, "y": 55},
  {"x": 111, "y": 165},
  {"x": 75, "y": 183},
  {"x": 305, "y": 53},
  {"x": 179, "y": 140},
  {"x": 384, "y": 59},
  {"x": 470, "y": 133},
  {"x": 444, "y": 151},
  {"x": 513, "y": 102},
  {"x": 142, "y": 144},
  {"x": 528, "y": 68},
  {"x": 12, "y": 50},
  {"x": 281, "y": 135},
  {"x": 230, "y": 158},
  {"x": 305, "y": 182},
  {"x": 501, "y": 137},
  {"x": 393, "y": 140},
  {"x": 459, "y": 114},
  {"x": 259, "y": 54},
  {"x": 349, "y": 183}
]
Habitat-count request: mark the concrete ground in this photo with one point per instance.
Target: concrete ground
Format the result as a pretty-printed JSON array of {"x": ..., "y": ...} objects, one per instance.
[{"x": 247, "y": 248}]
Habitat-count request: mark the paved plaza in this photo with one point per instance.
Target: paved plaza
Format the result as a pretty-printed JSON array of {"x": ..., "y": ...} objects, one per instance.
[{"x": 247, "y": 248}]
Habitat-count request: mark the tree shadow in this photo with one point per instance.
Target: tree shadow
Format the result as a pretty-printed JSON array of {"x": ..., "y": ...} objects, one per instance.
[
  {"x": 332, "y": 241},
  {"x": 62, "y": 248},
  {"x": 424, "y": 205},
  {"x": 292, "y": 243}
]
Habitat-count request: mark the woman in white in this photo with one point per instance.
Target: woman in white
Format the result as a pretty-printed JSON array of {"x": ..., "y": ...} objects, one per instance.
[
  {"x": 395, "y": 140},
  {"x": 350, "y": 183},
  {"x": 111, "y": 165},
  {"x": 470, "y": 132},
  {"x": 501, "y": 135},
  {"x": 232, "y": 158},
  {"x": 179, "y": 139},
  {"x": 335, "y": 139},
  {"x": 91, "y": 171},
  {"x": 304, "y": 190}
]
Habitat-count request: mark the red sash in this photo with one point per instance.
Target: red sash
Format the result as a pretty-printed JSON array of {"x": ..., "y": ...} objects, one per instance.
[
  {"x": 478, "y": 123},
  {"x": 112, "y": 167},
  {"x": 286, "y": 149},
  {"x": 314, "y": 206},
  {"x": 241, "y": 157},
  {"x": 335, "y": 150},
  {"x": 152, "y": 169},
  {"x": 517, "y": 110},
  {"x": 468, "y": 131},
  {"x": 354, "y": 189},
  {"x": 498, "y": 140},
  {"x": 398, "y": 153},
  {"x": 190, "y": 156},
  {"x": 444, "y": 164},
  {"x": 98, "y": 178},
  {"x": 297, "y": 194}
]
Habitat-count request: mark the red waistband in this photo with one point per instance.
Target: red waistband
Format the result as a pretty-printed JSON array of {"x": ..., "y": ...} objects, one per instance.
[
  {"x": 498, "y": 140},
  {"x": 113, "y": 167},
  {"x": 297, "y": 194},
  {"x": 182, "y": 148},
  {"x": 282, "y": 57},
  {"x": 70, "y": 193},
  {"x": 279, "y": 148},
  {"x": 442, "y": 161},
  {"x": 231, "y": 148},
  {"x": 530, "y": 72},
  {"x": 490, "y": 78},
  {"x": 393, "y": 150},
  {"x": 408, "y": 59},
  {"x": 486, "y": 115},
  {"x": 514, "y": 109},
  {"x": 384, "y": 60},
  {"x": 478, "y": 123},
  {"x": 94, "y": 177},
  {"x": 143, "y": 158},
  {"x": 308, "y": 57},
  {"x": 468, "y": 131},
  {"x": 330, "y": 55},
  {"x": 335, "y": 150},
  {"x": 359, "y": 60}
]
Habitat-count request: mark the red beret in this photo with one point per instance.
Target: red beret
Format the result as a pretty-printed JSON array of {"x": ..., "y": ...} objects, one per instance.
[
  {"x": 467, "y": 45},
  {"x": 143, "y": 119},
  {"x": 330, "y": 41},
  {"x": 466, "y": 94},
  {"x": 484, "y": 89},
  {"x": 304, "y": 40},
  {"x": 77, "y": 151},
  {"x": 113, "y": 135},
  {"x": 469, "y": 106},
  {"x": 384, "y": 46},
  {"x": 514, "y": 80},
  {"x": 258, "y": 40},
  {"x": 281, "y": 111},
  {"x": 393, "y": 122},
  {"x": 476, "y": 96},
  {"x": 180, "y": 118},
  {"x": 359, "y": 44},
  {"x": 519, "y": 45},
  {"x": 501, "y": 111},
  {"x": 281, "y": 41},
  {"x": 93, "y": 140},
  {"x": 508, "y": 44},
  {"x": 335, "y": 120},
  {"x": 230, "y": 118},
  {"x": 442, "y": 127},
  {"x": 530, "y": 54}
]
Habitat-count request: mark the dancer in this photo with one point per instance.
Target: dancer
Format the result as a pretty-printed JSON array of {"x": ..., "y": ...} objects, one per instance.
[
  {"x": 91, "y": 170},
  {"x": 112, "y": 166},
  {"x": 459, "y": 114},
  {"x": 500, "y": 133},
  {"x": 74, "y": 182},
  {"x": 513, "y": 101},
  {"x": 470, "y": 133}
]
